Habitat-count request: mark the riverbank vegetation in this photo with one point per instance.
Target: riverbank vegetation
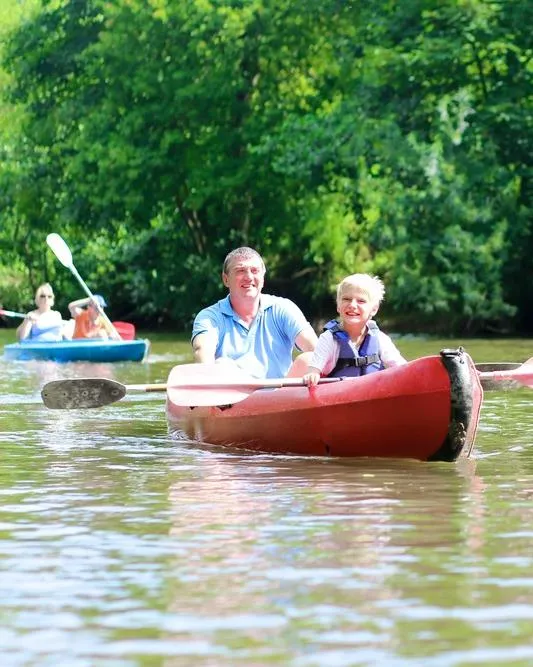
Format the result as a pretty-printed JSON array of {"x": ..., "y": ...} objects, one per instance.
[{"x": 334, "y": 137}]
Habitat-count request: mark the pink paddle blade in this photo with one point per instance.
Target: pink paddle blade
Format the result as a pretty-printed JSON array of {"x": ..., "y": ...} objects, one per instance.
[{"x": 523, "y": 374}]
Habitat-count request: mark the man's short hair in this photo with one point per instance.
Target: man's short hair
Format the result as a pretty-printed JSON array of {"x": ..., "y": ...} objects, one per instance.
[{"x": 243, "y": 253}]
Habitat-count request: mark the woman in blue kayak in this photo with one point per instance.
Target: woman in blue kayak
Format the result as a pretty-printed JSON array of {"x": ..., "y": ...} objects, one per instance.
[{"x": 43, "y": 323}]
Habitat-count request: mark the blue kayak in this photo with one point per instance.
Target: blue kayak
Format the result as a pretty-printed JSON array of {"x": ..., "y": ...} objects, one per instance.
[{"x": 82, "y": 349}]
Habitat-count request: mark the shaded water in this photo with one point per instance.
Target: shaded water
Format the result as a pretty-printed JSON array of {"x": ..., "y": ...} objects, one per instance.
[{"x": 120, "y": 546}]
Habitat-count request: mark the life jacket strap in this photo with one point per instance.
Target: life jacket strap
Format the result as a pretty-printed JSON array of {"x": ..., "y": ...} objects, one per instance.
[{"x": 360, "y": 361}]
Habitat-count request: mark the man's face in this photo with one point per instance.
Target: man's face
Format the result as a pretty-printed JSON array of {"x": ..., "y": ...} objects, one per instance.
[{"x": 245, "y": 278}]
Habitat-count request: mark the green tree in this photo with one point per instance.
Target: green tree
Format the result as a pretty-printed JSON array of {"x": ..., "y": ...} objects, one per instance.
[{"x": 385, "y": 137}]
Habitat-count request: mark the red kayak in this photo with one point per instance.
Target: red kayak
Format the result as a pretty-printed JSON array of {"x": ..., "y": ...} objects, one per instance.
[{"x": 427, "y": 409}]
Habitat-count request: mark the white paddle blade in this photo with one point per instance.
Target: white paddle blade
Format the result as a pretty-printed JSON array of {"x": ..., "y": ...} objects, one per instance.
[
  {"x": 224, "y": 383},
  {"x": 196, "y": 385},
  {"x": 60, "y": 249},
  {"x": 198, "y": 396}
]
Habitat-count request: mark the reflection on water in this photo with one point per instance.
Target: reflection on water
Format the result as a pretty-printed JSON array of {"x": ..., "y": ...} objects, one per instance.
[{"x": 121, "y": 546}]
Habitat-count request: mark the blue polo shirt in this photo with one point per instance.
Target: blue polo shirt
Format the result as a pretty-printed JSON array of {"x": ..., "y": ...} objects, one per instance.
[{"x": 265, "y": 349}]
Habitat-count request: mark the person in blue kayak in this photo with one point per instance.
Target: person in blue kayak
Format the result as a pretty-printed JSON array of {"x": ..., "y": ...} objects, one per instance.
[
  {"x": 256, "y": 331},
  {"x": 42, "y": 324},
  {"x": 88, "y": 322},
  {"x": 353, "y": 345}
]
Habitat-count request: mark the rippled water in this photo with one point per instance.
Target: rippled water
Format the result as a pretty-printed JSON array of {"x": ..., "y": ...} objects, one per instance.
[{"x": 121, "y": 546}]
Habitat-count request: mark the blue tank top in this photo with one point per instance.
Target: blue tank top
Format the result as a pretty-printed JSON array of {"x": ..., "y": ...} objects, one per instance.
[{"x": 47, "y": 334}]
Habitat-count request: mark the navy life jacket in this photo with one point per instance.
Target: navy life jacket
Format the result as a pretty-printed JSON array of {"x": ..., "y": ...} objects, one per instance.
[{"x": 354, "y": 364}]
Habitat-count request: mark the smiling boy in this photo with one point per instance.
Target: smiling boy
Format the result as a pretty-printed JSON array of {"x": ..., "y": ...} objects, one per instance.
[{"x": 354, "y": 345}]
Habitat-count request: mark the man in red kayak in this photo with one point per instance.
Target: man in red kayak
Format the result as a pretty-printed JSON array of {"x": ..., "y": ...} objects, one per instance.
[
  {"x": 354, "y": 345},
  {"x": 256, "y": 331}
]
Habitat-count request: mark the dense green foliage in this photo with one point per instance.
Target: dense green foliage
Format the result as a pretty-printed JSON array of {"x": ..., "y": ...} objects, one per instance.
[{"x": 333, "y": 136}]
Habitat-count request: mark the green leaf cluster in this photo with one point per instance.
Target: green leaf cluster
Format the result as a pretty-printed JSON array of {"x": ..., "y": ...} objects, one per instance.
[{"x": 335, "y": 137}]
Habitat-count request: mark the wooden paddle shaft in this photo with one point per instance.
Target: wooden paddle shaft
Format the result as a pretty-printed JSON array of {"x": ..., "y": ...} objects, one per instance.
[{"x": 146, "y": 387}]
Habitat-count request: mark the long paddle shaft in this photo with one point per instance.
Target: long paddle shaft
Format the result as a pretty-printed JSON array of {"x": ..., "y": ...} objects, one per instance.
[
  {"x": 63, "y": 254},
  {"x": 11, "y": 313},
  {"x": 77, "y": 393},
  {"x": 200, "y": 384}
]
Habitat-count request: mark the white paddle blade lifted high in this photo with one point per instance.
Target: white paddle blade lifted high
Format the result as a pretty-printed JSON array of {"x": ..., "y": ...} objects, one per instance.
[{"x": 61, "y": 250}]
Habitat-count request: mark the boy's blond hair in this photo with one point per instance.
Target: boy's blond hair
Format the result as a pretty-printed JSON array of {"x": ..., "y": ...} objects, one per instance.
[{"x": 371, "y": 285}]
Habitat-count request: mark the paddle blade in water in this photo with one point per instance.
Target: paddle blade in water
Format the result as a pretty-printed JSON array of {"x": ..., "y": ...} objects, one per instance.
[
  {"x": 79, "y": 393},
  {"x": 60, "y": 249}
]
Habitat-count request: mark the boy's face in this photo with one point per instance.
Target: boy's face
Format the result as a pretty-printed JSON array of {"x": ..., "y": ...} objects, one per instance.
[{"x": 355, "y": 307}]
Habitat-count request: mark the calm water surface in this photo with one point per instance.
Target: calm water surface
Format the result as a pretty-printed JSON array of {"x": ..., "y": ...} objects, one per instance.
[{"x": 120, "y": 546}]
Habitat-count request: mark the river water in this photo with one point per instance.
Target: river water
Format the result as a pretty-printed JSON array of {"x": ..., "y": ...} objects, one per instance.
[{"x": 120, "y": 546}]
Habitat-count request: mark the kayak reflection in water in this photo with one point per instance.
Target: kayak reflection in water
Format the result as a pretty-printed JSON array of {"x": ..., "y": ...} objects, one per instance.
[{"x": 354, "y": 345}]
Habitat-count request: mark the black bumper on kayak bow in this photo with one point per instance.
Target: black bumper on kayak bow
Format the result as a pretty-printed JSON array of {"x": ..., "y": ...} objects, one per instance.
[{"x": 461, "y": 430}]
